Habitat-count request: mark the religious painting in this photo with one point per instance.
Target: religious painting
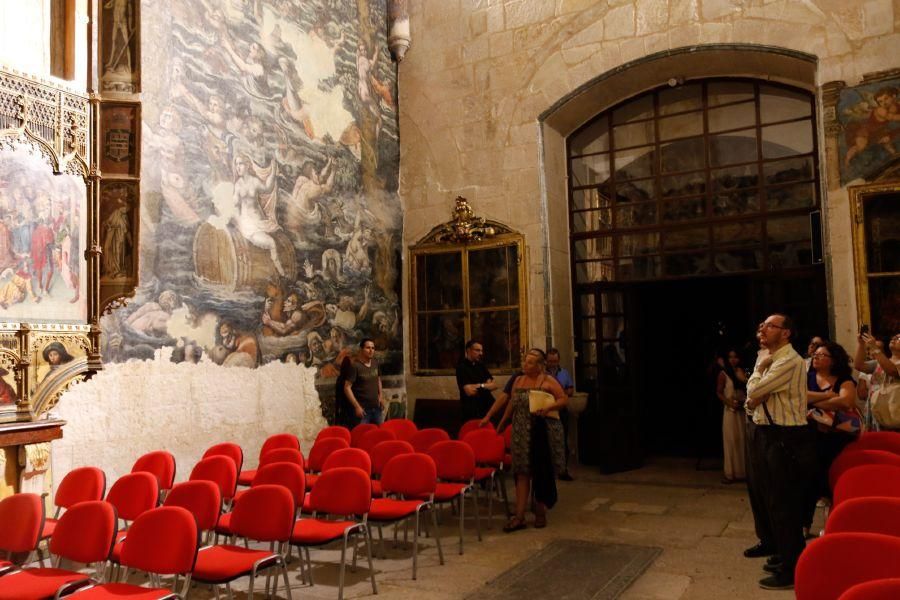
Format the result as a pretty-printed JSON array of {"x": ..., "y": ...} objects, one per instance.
[
  {"x": 119, "y": 45},
  {"x": 42, "y": 233},
  {"x": 118, "y": 138},
  {"x": 117, "y": 227},
  {"x": 869, "y": 116},
  {"x": 270, "y": 220},
  {"x": 9, "y": 394},
  {"x": 58, "y": 355}
]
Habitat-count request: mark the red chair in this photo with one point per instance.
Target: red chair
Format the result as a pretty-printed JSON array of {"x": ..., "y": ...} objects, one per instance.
[
  {"x": 357, "y": 433},
  {"x": 264, "y": 513},
  {"x": 489, "y": 449},
  {"x": 321, "y": 450},
  {"x": 21, "y": 523},
  {"x": 162, "y": 541},
  {"x": 229, "y": 449},
  {"x": 832, "y": 564},
  {"x": 202, "y": 499},
  {"x": 283, "y": 455},
  {"x": 222, "y": 471},
  {"x": 131, "y": 495},
  {"x": 79, "y": 485},
  {"x": 373, "y": 438},
  {"x": 424, "y": 439},
  {"x": 879, "y": 589},
  {"x": 873, "y": 514},
  {"x": 889, "y": 441},
  {"x": 273, "y": 442},
  {"x": 381, "y": 454},
  {"x": 84, "y": 534},
  {"x": 407, "y": 476},
  {"x": 347, "y": 457},
  {"x": 162, "y": 465},
  {"x": 847, "y": 460},
  {"x": 342, "y": 492},
  {"x": 404, "y": 429},
  {"x": 473, "y": 425},
  {"x": 334, "y": 431},
  {"x": 286, "y": 474},
  {"x": 867, "y": 480},
  {"x": 455, "y": 464}
]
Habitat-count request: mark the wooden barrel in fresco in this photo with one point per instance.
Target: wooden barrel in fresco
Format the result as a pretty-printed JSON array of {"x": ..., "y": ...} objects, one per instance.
[{"x": 226, "y": 258}]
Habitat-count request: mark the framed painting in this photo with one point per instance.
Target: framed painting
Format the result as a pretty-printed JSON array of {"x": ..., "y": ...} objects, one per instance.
[
  {"x": 118, "y": 225},
  {"x": 119, "y": 136}
]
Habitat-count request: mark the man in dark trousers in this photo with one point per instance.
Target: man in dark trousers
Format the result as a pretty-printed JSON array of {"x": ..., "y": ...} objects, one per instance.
[
  {"x": 362, "y": 385},
  {"x": 475, "y": 383}
]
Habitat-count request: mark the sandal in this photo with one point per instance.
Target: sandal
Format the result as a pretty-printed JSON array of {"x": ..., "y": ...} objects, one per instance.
[
  {"x": 540, "y": 521},
  {"x": 514, "y": 524}
]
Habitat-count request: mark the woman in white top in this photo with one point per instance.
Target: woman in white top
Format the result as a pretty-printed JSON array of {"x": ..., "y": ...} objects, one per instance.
[{"x": 730, "y": 389}]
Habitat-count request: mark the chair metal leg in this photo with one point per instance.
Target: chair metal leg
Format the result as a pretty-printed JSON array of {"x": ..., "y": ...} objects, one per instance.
[
  {"x": 308, "y": 566},
  {"x": 369, "y": 556},
  {"x": 287, "y": 583},
  {"x": 436, "y": 534},
  {"x": 341, "y": 573},
  {"x": 490, "y": 499},
  {"x": 462, "y": 514},
  {"x": 381, "y": 541},
  {"x": 477, "y": 514}
]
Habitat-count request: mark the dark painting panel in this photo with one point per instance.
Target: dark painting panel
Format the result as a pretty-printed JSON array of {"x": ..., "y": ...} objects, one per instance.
[
  {"x": 118, "y": 220},
  {"x": 119, "y": 126}
]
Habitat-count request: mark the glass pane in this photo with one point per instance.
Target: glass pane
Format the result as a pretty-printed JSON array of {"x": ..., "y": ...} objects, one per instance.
[
  {"x": 590, "y": 198},
  {"x": 588, "y": 306},
  {"x": 787, "y": 139},
  {"x": 639, "y": 267},
  {"x": 792, "y": 169},
  {"x": 441, "y": 339},
  {"x": 635, "y": 163},
  {"x": 439, "y": 281},
  {"x": 883, "y": 295},
  {"x": 592, "y": 220},
  {"x": 493, "y": 277},
  {"x": 593, "y": 138},
  {"x": 788, "y": 229},
  {"x": 587, "y": 373},
  {"x": 633, "y": 134},
  {"x": 802, "y": 195},
  {"x": 593, "y": 249},
  {"x": 590, "y": 170},
  {"x": 683, "y": 155},
  {"x": 680, "y": 265},
  {"x": 636, "y": 215},
  {"x": 732, "y": 148},
  {"x": 640, "y": 190},
  {"x": 588, "y": 329},
  {"x": 684, "y": 209},
  {"x": 723, "y": 92},
  {"x": 733, "y": 261},
  {"x": 611, "y": 302},
  {"x": 638, "y": 243},
  {"x": 641, "y": 108},
  {"x": 590, "y": 272},
  {"x": 499, "y": 334},
  {"x": 683, "y": 185},
  {"x": 736, "y": 203},
  {"x": 679, "y": 126},
  {"x": 588, "y": 354},
  {"x": 779, "y": 104},
  {"x": 735, "y": 178},
  {"x": 611, "y": 327},
  {"x": 882, "y": 226},
  {"x": 733, "y": 116},
  {"x": 678, "y": 99},
  {"x": 744, "y": 233},
  {"x": 686, "y": 239}
]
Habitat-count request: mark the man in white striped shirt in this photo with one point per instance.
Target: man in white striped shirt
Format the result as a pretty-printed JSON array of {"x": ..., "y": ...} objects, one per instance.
[{"x": 784, "y": 446}]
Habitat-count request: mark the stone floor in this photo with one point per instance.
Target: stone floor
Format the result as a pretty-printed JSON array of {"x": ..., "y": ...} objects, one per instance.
[{"x": 701, "y": 525}]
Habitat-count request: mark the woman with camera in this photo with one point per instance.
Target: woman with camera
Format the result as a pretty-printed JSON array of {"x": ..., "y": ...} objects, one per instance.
[{"x": 883, "y": 406}]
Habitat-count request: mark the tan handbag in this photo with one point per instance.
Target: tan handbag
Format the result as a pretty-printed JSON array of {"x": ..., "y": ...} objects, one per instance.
[{"x": 885, "y": 403}]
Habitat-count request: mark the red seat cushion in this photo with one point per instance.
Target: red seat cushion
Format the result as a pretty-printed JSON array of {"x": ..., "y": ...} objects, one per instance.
[
  {"x": 482, "y": 473},
  {"x": 246, "y": 477},
  {"x": 444, "y": 492},
  {"x": 123, "y": 590},
  {"x": 36, "y": 583},
  {"x": 315, "y": 532},
  {"x": 49, "y": 527},
  {"x": 218, "y": 564},
  {"x": 388, "y": 509},
  {"x": 224, "y": 525}
]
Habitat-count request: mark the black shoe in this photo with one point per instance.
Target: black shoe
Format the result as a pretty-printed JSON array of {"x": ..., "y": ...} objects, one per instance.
[
  {"x": 777, "y": 582},
  {"x": 758, "y": 551},
  {"x": 566, "y": 477},
  {"x": 774, "y": 568},
  {"x": 773, "y": 560}
]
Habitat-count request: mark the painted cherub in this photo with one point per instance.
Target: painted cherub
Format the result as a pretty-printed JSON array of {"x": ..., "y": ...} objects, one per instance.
[{"x": 883, "y": 110}]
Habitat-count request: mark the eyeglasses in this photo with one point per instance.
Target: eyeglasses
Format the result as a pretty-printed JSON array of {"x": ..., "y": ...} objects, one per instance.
[
  {"x": 821, "y": 355},
  {"x": 772, "y": 325}
]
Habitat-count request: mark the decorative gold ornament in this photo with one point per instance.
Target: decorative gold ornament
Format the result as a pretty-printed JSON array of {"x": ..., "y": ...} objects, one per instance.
[{"x": 465, "y": 226}]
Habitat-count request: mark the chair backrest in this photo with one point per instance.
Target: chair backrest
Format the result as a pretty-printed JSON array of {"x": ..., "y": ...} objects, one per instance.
[
  {"x": 349, "y": 457},
  {"x": 163, "y": 540},
  {"x": 161, "y": 464},
  {"x": 873, "y": 514},
  {"x": 80, "y": 485},
  {"x": 424, "y": 439},
  {"x": 847, "y": 460},
  {"x": 342, "y": 491},
  {"x": 85, "y": 533},
  {"x": 487, "y": 445},
  {"x": 264, "y": 513},
  {"x": 357, "y": 433},
  {"x": 385, "y": 451},
  {"x": 322, "y": 449},
  {"x": 229, "y": 449},
  {"x": 334, "y": 431},
  {"x": 134, "y": 494},
  {"x": 21, "y": 522},
  {"x": 375, "y": 437},
  {"x": 279, "y": 440},
  {"x": 889, "y": 441},
  {"x": 834, "y": 563},
  {"x": 413, "y": 475},
  {"x": 472, "y": 425},
  {"x": 878, "y": 589},
  {"x": 282, "y": 455},
  {"x": 404, "y": 429},
  {"x": 455, "y": 460},
  {"x": 288, "y": 474},
  {"x": 867, "y": 480},
  {"x": 219, "y": 469},
  {"x": 201, "y": 498}
]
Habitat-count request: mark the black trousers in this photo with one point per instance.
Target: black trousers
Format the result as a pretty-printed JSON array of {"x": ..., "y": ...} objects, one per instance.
[
  {"x": 753, "y": 465},
  {"x": 787, "y": 461},
  {"x": 828, "y": 445}
]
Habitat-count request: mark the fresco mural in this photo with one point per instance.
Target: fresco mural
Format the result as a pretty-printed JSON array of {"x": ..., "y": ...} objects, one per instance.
[
  {"x": 41, "y": 233},
  {"x": 270, "y": 217},
  {"x": 869, "y": 116}
]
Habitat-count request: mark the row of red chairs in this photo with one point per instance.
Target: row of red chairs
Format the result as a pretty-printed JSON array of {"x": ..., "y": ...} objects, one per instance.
[{"x": 858, "y": 556}]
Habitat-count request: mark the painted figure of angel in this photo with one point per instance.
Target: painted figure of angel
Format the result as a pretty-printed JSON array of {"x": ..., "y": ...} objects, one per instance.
[
  {"x": 876, "y": 129},
  {"x": 256, "y": 199}
]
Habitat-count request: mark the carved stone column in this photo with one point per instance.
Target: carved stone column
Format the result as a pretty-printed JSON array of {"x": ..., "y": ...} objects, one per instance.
[
  {"x": 831, "y": 91},
  {"x": 398, "y": 28}
]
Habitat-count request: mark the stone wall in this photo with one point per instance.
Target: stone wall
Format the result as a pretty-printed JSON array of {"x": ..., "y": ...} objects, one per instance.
[{"x": 482, "y": 72}]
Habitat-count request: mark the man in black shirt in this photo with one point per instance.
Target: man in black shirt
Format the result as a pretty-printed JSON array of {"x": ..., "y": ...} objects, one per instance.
[
  {"x": 362, "y": 385},
  {"x": 475, "y": 383}
]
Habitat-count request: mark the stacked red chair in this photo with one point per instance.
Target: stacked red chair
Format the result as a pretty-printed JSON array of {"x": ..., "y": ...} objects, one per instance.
[
  {"x": 229, "y": 449},
  {"x": 357, "y": 433},
  {"x": 286, "y": 474},
  {"x": 489, "y": 450},
  {"x": 455, "y": 464},
  {"x": 131, "y": 495},
  {"x": 867, "y": 480},
  {"x": 424, "y": 439},
  {"x": 202, "y": 499},
  {"x": 831, "y": 565},
  {"x": 848, "y": 460},
  {"x": 375, "y": 437},
  {"x": 273, "y": 442},
  {"x": 347, "y": 457},
  {"x": 21, "y": 523},
  {"x": 879, "y": 589},
  {"x": 872, "y": 514},
  {"x": 160, "y": 464},
  {"x": 889, "y": 441},
  {"x": 381, "y": 454},
  {"x": 404, "y": 429},
  {"x": 320, "y": 451},
  {"x": 79, "y": 485},
  {"x": 222, "y": 471},
  {"x": 332, "y": 431},
  {"x": 290, "y": 455}
]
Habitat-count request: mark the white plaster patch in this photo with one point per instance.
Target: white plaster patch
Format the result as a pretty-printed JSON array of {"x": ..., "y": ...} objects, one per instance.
[
  {"x": 594, "y": 504},
  {"x": 634, "y": 507}
]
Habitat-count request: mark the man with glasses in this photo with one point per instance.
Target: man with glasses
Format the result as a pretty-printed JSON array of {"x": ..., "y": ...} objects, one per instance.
[
  {"x": 362, "y": 385},
  {"x": 783, "y": 448},
  {"x": 814, "y": 342}
]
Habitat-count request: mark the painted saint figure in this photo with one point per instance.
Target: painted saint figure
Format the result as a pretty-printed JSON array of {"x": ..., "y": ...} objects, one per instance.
[
  {"x": 116, "y": 241},
  {"x": 15, "y": 290},
  {"x": 877, "y": 128},
  {"x": 120, "y": 37},
  {"x": 256, "y": 202}
]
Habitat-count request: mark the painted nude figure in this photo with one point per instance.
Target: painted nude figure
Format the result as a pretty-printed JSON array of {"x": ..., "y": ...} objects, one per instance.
[{"x": 256, "y": 201}]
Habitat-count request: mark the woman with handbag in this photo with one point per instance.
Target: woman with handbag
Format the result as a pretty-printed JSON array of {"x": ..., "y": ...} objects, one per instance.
[
  {"x": 731, "y": 386},
  {"x": 883, "y": 407}
]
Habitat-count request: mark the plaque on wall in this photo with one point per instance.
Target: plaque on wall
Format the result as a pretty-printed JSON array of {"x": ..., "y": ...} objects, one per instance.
[{"x": 119, "y": 129}]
